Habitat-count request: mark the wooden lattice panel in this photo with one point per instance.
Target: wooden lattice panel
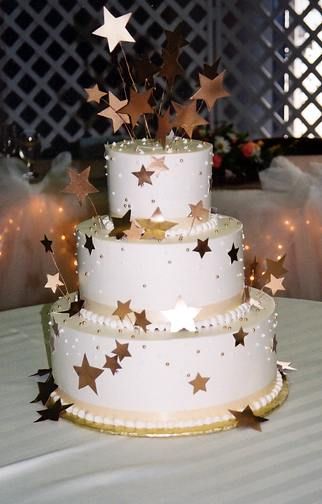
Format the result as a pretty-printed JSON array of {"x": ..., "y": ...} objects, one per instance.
[{"x": 273, "y": 58}]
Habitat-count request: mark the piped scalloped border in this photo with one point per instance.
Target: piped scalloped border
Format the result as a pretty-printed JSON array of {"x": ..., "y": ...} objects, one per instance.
[{"x": 202, "y": 427}]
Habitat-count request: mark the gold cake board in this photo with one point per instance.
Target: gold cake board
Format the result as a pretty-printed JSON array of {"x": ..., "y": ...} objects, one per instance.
[{"x": 178, "y": 431}]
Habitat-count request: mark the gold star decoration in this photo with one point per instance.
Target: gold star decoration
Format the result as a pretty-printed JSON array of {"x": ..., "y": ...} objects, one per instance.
[
  {"x": 199, "y": 212},
  {"x": 171, "y": 66},
  {"x": 87, "y": 374},
  {"x": 53, "y": 412},
  {"x": 199, "y": 383},
  {"x": 75, "y": 307},
  {"x": 164, "y": 127},
  {"x": 121, "y": 224},
  {"x": 187, "y": 117},
  {"x": 155, "y": 229},
  {"x": 94, "y": 94},
  {"x": 246, "y": 418},
  {"x": 53, "y": 282},
  {"x": 210, "y": 89},
  {"x": 274, "y": 344},
  {"x": 175, "y": 39},
  {"x": 47, "y": 244},
  {"x": 89, "y": 245},
  {"x": 112, "y": 112},
  {"x": 143, "y": 176},
  {"x": 275, "y": 268},
  {"x": 202, "y": 247},
  {"x": 240, "y": 337},
  {"x": 114, "y": 29},
  {"x": 123, "y": 309},
  {"x": 275, "y": 284},
  {"x": 45, "y": 389},
  {"x": 112, "y": 364},
  {"x": 141, "y": 320},
  {"x": 135, "y": 232},
  {"x": 181, "y": 316},
  {"x": 79, "y": 184},
  {"x": 121, "y": 350},
  {"x": 233, "y": 254},
  {"x": 157, "y": 165},
  {"x": 138, "y": 105}
]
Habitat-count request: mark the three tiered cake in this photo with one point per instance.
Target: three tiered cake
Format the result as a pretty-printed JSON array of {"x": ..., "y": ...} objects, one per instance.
[{"x": 166, "y": 339}]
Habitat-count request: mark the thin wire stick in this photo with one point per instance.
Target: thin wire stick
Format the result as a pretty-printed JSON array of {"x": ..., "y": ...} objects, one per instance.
[{"x": 95, "y": 211}]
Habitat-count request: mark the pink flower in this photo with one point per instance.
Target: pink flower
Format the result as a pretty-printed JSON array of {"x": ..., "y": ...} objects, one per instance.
[
  {"x": 249, "y": 149},
  {"x": 216, "y": 161}
]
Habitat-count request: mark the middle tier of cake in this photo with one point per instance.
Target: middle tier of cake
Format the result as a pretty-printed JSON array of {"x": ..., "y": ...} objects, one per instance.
[{"x": 200, "y": 266}]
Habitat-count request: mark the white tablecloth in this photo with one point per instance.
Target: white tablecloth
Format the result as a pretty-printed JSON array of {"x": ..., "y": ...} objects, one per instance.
[{"x": 49, "y": 462}]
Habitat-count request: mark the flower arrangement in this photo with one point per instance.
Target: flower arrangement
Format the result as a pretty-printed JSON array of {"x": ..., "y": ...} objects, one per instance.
[{"x": 236, "y": 158}]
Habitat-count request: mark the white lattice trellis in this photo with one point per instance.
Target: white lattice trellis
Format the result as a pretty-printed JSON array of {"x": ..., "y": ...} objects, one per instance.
[{"x": 272, "y": 51}]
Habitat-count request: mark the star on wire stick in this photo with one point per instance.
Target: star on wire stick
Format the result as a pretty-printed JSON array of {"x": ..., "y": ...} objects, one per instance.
[
  {"x": 79, "y": 184},
  {"x": 47, "y": 244},
  {"x": 240, "y": 337},
  {"x": 53, "y": 412},
  {"x": 246, "y": 418},
  {"x": 187, "y": 117},
  {"x": 114, "y": 29},
  {"x": 143, "y": 176},
  {"x": 53, "y": 282},
  {"x": 121, "y": 350},
  {"x": 94, "y": 94},
  {"x": 112, "y": 364},
  {"x": 112, "y": 112},
  {"x": 138, "y": 105},
  {"x": 121, "y": 224},
  {"x": 87, "y": 374},
  {"x": 275, "y": 284},
  {"x": 198, "y": 212},
  {"x": 210, "y": 90},
  {"x": 171, "y": 66},
  {"x": 199, "y": 383},
  {"x": 275, "y": 268}
]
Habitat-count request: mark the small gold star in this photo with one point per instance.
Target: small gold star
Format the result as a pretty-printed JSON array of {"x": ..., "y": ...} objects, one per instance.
[
  {"x": 94, "y": 94},
  {"x": 187, "y": 117},
  {"x": 114, "y": 29},
  {"x": 275, "y": 284},
  {"x": 123, "y": 309},
  {"x": 157, "y": 165},
  {"x": 87, "y": 374},
  {"x": 121, "y": 350},
  {"x": 112, "y": 364},
  {"x": 246, "y": 418},
  {"x": 155, "y": 229},
  {"x": 79, "y": 184},
  {"x": 199, "y": 383},
  {"x": 144, "y": 176},
  {"x": 138, "y": 105},
  {"x": 210, "y": 89},
  {"x": 239, "y": 337},
  {"x": 121, "y": 224},
  {"x": 112, "y": 112},
  {"x": 53, "y": 282},
  {"x": 135, "y": 232},
  {"x": 198, "y": 211},
  {"x": 141, "y": 320}
]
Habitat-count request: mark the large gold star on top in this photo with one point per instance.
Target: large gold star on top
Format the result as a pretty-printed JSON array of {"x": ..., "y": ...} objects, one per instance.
[
  {"x": 53, "y": 282},
  {"x": 246, "y": 418},
  {"x": 199, "y": 383},
  {"x": 210, "y": 90},
  {"x": 112, "y": 112},
  {"x": 199, "y": 212},
  {"x": 121, "y": 350},
  {"x": 187, "y": 117},
  {"x": 114, "y": 29},
  {"x": 138, "y": 105},
  {"x": 240, "y": 337},
  {"x": 87, "y": 374},
  {"x": 156, "y": 227},
  {"x": 79, "y": 184},
  {"x": 94, "y": 94},
  {"x": 143, "y": 176},
  {"x": 123, "y": 309}
]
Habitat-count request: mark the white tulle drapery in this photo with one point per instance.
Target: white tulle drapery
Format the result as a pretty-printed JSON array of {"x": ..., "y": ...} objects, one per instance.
[
  {"x": 27, "y": 212},
  {"x": 284, "y": 217}
]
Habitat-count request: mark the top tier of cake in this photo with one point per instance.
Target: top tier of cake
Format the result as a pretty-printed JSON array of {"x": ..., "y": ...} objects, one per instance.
[{"x": 181, "y": 175}]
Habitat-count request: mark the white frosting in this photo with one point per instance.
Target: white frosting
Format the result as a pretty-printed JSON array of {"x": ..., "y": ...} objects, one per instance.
[
  {"x": 155, "y": 379},
  {"x": 154, "y": 274},
  {"x": 187, "y": 179}
]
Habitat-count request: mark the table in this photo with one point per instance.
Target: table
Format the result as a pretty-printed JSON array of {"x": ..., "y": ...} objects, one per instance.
[{"x": 51, "y": 462}]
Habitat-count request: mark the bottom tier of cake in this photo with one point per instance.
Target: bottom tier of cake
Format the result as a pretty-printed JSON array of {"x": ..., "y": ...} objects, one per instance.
[{"x": 161, "y": 383}]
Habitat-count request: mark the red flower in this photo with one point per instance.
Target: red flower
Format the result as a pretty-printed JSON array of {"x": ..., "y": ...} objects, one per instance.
[
  {"x": 216, "y": 161},
  {"x": 248, "y": 149}
]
